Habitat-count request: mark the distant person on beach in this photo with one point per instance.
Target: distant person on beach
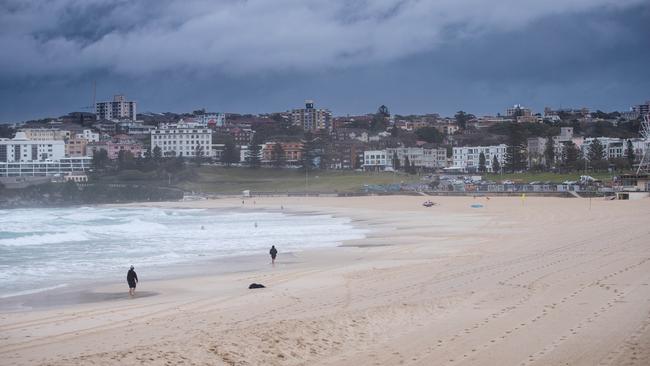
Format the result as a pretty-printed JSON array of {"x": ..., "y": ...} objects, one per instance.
[
  {"x": 132, "y": 279},
  {"x": 273, "y": 252}
]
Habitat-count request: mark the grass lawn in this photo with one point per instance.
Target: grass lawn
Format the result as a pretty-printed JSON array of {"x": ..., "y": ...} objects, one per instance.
[
  {"x": 547, "y": 177},
  {"x": 235, "y": 180}
]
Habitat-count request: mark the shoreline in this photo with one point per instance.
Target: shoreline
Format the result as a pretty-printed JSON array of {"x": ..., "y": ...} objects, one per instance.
[
  {"x": 535, "y": 281},
  {"x": 86, "y": 291}
]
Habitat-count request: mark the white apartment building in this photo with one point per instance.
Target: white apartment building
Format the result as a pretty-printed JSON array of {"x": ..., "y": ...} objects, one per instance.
[
  {"x": 467, "y": 158},
  {"x": 88, "y": 135},
  {"x": 613, "y": 147},
  {"x": 182, "y": 141},
  {"x": 310, "y": 118},
  {"x": 428, "y": 158},
  {"x": 118, "y": 109},
  {"x": 45, "y": 134},
  {"x": 22, "y": 149},
  {"x": 376, "y": 160},
  {"x": 45, "y": 168},
  {"x": 518, "y": 110}
]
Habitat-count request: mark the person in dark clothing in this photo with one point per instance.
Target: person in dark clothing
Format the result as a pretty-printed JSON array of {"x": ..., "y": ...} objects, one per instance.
[
  {"x": 273, "y": 252},
  {"x": 132, "y": 280}
]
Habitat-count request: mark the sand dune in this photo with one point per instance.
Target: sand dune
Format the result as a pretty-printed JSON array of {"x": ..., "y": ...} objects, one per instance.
[{"x": 545, "y": 281}]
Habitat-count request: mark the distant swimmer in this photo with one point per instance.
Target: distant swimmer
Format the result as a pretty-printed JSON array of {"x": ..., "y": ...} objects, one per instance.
[
  {"x": 274, "y": 253},
  {"x": 202, "y": 227},
  {"x": 132, "y": 280},
  {"x": 255, "y": 223},
  {"x": 281, "y": 207}
]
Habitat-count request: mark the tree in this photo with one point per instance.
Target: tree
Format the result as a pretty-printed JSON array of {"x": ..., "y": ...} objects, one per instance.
[
  {"x": 629, "y": 154},
  {"x": 462, "y": 118},
  {"x": 516, "y": 150},
  {"x": 125, "y": 160},
  {"x": 407, "y": 164},
  {"x": 198, "y": 155},
  {"x": 277, "y": 155},
  {"x": 307, "y": 153},
  {"x": 229, "y": 154},
  {"x": 429, "y": 134},
  {"x": 570, "y": 155},
  {"x": 380, "y": 119},
  {"x": 157, "y": 153},
  {"x": 396, "y": 163},
  {"x": 496, "y": 166},
  {"x": 596, "y": 151},
  {"x": 253, "y": 158},
  {"x": 481, "y": 163},
  {"x": 549, "y": 152},
  {"x": 100, "y": 159}
]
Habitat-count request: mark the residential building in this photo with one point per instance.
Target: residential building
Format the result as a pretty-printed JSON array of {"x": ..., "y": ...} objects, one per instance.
[
  {"x": 292, "y": 152},
  {"x": 642, "y": 109},
  {"x": 45, "y": 134},
  {"x": 22, "y": 149},
  {"x": 240, "y": 136},
  {"x": 310, "y": 118},
  {"x": 346, "y": 134},
  {"x": 467, "y": 158},
  {"x": 346, "y": 154},
  {"x": 116, "y": 110},
  {"x": 76, "y": 147},
  {"x": 115, "y": 145},
  {"x": 88, "y": 135},
  {"x": 45, "y": 167},
  {"x": 612, "y": 147},
  {"x": 447, "y": 128},
  {"x": 428, "y": 157},
  {"x": 376, "y": 160},
  {"x": 518, "y": 111},
  {"x": 183, "y": 141}
]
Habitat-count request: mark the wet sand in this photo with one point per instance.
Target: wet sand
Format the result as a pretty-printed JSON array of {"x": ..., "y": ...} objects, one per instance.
[{"x": 545, "y": 281}]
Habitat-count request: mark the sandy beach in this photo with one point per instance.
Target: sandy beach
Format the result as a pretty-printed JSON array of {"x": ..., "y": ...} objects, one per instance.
[{"x": 540, "y": 281}]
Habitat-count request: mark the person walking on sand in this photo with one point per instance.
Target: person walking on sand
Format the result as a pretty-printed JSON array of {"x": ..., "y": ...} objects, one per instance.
[
  {"x": 273, "y": 252},
  {"x": 132, "y": 280}
]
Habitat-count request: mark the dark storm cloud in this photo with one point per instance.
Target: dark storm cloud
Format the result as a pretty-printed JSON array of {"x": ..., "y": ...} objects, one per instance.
[
  {"x": 256, "y": 55},
  {"x": 133, "y": 37}
]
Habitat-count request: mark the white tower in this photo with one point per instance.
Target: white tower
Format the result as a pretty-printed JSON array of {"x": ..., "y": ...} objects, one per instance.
[{"x": 644, "y": 165}]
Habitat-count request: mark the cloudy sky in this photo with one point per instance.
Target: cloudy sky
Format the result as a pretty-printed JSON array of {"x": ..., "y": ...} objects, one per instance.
[{"x": 415, "y": 56}]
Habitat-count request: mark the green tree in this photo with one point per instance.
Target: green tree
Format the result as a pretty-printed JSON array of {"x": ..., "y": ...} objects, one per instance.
[
  {"x": 157, "y": 153},
  {"x": 198, "y": 155},
  {"x": 307, "y": 153},
  {"x": 125, "y": 160},
  {"x": 549, "y": 152},
  {"x": 481, "y": 163},
  {"x": 407, "y": 164},
  {"x": 229, "y": 155},
  {"x": 596, "y": 152},
  {"x": 570, "y": 155},
  {"x": 629, "y": 154},
  {"x": 253, "y": 155},
  {"x": 429, "y": 134},
  {"x": 496, "y": 166},
  {"x": 516, "y": 150},
  {"x": 396, "y": 162},
  {"x": 462, "y": 118},
  {"x": 100, "y": 159},
  {"x": 277, "y": 155}
]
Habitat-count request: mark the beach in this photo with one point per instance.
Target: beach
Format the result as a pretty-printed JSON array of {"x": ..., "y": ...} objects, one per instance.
[{"x": 512, "y": 281}]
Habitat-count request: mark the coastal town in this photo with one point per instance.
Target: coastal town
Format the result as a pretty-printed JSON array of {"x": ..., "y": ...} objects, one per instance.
[{"x": 517, "y": 139}]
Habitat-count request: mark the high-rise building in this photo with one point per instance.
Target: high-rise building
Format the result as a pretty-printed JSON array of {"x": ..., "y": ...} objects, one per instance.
[
  {"x": 310, "y": 118},
  {"x": 183, "y": 141},
  {"x": 118, "y": 109}
]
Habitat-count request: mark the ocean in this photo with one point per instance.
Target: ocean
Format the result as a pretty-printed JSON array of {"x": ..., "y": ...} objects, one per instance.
[{"x": 48, "y": 248}]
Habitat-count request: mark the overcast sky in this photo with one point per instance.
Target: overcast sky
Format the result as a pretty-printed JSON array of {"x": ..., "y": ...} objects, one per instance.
[{"x": 415, "y": 56}]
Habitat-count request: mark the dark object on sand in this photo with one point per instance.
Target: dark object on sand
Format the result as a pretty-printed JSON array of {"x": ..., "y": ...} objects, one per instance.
[
  {"x": 255, "y": 285},
  {"x": 428, "y": 204}
]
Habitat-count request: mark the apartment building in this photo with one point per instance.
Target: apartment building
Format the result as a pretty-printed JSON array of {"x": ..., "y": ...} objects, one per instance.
[
  {"x": 467, "y": 158},
  {"x": 22, "y": 149},
  {"x": 291, "y": 152},
  {"x": 310, "y": 118},
  {"x": 183, "y": 141},
  {"x": 76, "y": 147},
  {"x": 115, "y": 145},
  {"x": 45, "y": 134},
  {"x": 118, "y": 109},
  {"x": 376, "y": 160}
]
